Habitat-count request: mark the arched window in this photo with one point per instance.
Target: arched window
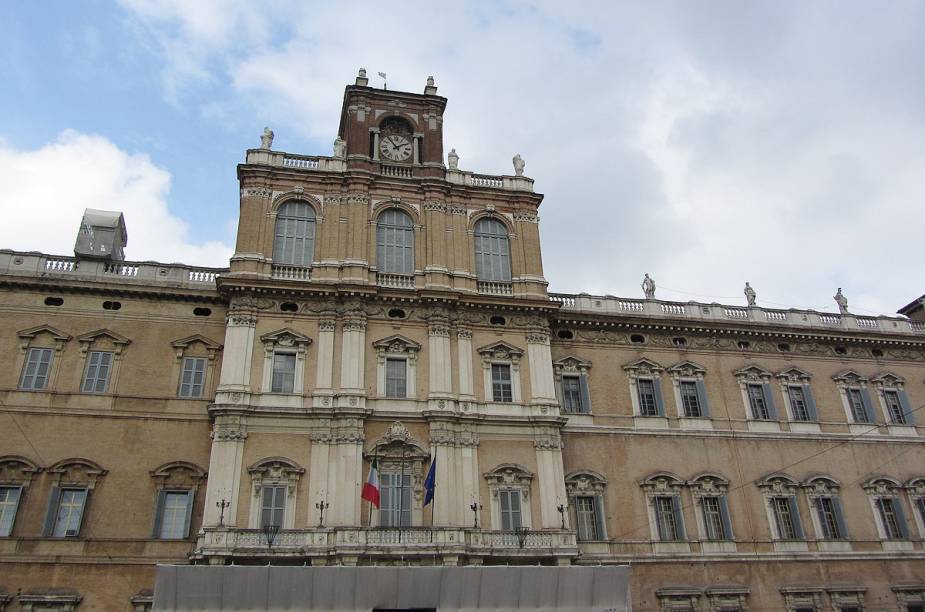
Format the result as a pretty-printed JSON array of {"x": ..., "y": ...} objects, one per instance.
[
  {"x": 395, "y": 242},
  {"x": 294, "y": 238},
  {"x": 492, "y": 252}
]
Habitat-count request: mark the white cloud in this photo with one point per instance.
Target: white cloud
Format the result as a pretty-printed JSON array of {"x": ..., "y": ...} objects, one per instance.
[{"x": 46, "y": 191}]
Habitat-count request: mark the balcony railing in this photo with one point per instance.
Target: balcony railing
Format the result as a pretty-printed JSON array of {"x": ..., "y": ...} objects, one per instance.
[
  {"x": 397, "y": 281},
  {"x": 302, "y": 273},
  {"x": 397, "y": 171},
  {"x": 495, "y": 288}
]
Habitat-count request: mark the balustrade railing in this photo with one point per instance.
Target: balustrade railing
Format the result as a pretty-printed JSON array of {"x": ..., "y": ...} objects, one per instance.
[
  {"x": 202, "y": 276},
  {"x": 398, "y": 171},
  {"x": 495, "y": 288},
  {"x": 481, "y": 180},
  {"x": 60, "y": 265},
  {"x": 121, "y": 269},
  {"x": 868, "y": 322},
  {"x": 567, "y": 301},
  {"x": 302, "y": 163},
  {"x": 775, "y": 315},
  {"x": 291, "y": 272},
  {"x": 918, "y": 326},
  {"x": 398, "y": 281},
  {"x": 668, "y": 308},
  {"x": 731, "y": 312},
  {"x": 832, "y": 320},
  {"x": 631, "y": 305}
]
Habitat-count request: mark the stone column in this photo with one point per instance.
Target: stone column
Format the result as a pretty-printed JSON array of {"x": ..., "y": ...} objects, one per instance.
[
  {"x": 238, "y": 353},
  {"x": 441, "y": 366},
  {"x": 550, "y": 478},
  {"x": 324, "y": 377},
  {"x": 225, "y": 463},
  {"x": 352, "y": 362},
  {"x": 464, "y": 364},
  {"x": 542, "y": 379}
]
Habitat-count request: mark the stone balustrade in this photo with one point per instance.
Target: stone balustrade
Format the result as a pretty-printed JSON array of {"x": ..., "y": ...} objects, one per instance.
[
  {"x": 697, "y": 311},
  {"x": 302, "y": 273},
  {"x": 494, "y": 288},
  {"x": 33, "y": 264},
  {"x": 313, "y": 163},
  {"x": 397, "y": 281}
]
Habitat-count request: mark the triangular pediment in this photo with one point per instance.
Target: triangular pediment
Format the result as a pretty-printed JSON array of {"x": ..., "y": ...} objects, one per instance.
[
  {"x": 753, "y": 373},
  {"x": 500, "y": 350},
  {"x": 888, "y": 379},
  {"x": 572, "y": 364},
  {"x": 397, "y": 343},
  {"x": 643, "y": 365},
  {"x": 687, "y": 368},
  {"x": 794, "y": 375},
  {"x": 285, "y": 337},
  {"x": 55, "y": 333},
  {"x": 849, "y": 376},
  {"x": 186, "y": 342},
  {"x": 103, "y": 333}
]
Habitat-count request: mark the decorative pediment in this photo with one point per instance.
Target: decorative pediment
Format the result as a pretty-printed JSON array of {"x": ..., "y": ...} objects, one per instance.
[
  {"x": 794, "y": 375},
  {"x": 709, "y": 483},
  {"x": 509, "y": 474},
  {"x": 286, "y": 338},
  {"x": 57, "y": 336},
  {"x": 687, "y": 369},
  {"x": 397, "y": 344},
  {"x": 916, "y": 486},
  {"x": 585, "y": 482},
  {"x": 571, "y": 364},
  {"x": 778, "y": 483},
  {"x": 881, "y": 485},
  {"x": 661, "y": 482},
  {"x": 275, "y": 470},
  {"x": 178, "y": 473},
  {"x": 76, "y": 471},
  {"x": 752, "y": 374},
  {"x": 643, "y": 367},
  {"x": 118, "y": 341},
  {"x": 183, "y": 344},
  {"x": 849, "y": 377},
  {"x": 398, "y": 443},
  {"x": 17, "y": 470},
  {"x": 821, "y": 485},
  {"x": 888, "y": 379},
  {"x": 501, "y": 350}
]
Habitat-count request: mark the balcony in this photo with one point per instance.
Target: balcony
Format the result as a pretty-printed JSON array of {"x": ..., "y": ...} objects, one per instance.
[
  {"x": 338, "y": 542},
  {"x": 302, "y": 273},
  {"x": 395, "y": 281}
]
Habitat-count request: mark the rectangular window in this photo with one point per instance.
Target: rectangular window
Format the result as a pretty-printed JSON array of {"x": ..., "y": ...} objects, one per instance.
[
  {"x": 511, "y": 519},
  {"x": 586, "y": 512},
  {"x": 783, "y": 518},
  {"x": 690, "y": 400},
  {"x": 501, "y": 388},
  {"x": 798, "y": 404},
  {"x": 273, "y": 506},
  {"x": 35, "y": 370},
  {"x": 668, "y": 519},
  {"x": 713, "y": 519},
  {"x": 828, "y": 519},
  {"x": 395, "y": 500},
  {"x": 647, "y": 404},
  {"x": 858, "y": 410},
  {"x": 69, "y": 513},
  {"x": 920, "y": 507},
  {"x": 192, "y": 377},
  {"x": 283, "y": 373},
  {"x": 571, "y": 394},
  {"x": 99, "y": 366},
  {"x": 9, "y": 503},
  {"x": 174, "y": 515},
  {"x": 894, "y": 408},
  {"x": 396, "y": 373},
  {"x": 889, "y": 517},
  {"x": 758, "y": 404}
]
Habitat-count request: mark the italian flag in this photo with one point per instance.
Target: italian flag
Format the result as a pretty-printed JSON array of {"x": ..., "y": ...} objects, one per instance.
[{"x": 371, "y": 486}]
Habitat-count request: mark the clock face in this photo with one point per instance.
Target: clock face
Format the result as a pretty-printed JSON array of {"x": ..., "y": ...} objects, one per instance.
[{"x": 395, "y": 147}]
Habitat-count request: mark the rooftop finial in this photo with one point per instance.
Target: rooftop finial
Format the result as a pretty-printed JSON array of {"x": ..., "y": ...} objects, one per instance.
[
  {"x": 362, "y": 81},
  {"x": 430, "y": 89}
]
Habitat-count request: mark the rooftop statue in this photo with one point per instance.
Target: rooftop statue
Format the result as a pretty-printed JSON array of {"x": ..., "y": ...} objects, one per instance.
[
  {"x": 266, "y": 139},
  {"x": 519, "y": 165},
  {"x": 452, "y": 159},
  {"x": 648, "y": 287},
  {"x": 842, "y": 301},
  {"x": 750, "y": 294}
]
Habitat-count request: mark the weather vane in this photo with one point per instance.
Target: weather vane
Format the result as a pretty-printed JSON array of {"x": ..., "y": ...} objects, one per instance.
[{"x": 384, "y": 84}]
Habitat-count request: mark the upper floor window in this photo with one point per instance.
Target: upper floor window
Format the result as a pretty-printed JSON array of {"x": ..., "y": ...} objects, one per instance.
[
  {"x": 511, "y": 519},
  {"x": 797, "y": 398},
  {"x": 284, "y": 361},
  {"x": 192, "y": 376},
  {"x": 283, "y": 373},
  {"x": 176, "y": 483},
  {"x": 571, "y": 374},
  {"x": 509, "y": 486},
  {"x": 663, "y": 495},
  {"x": 758, "y": 402},
  {"x": 396, "y": 378},
  {"x": 780, "y": 493},
  {"x": 501, "y": 388},
  {"x": 36, "y": 369},
  {"x": 894, "y": 400},
  {"x": 9, "y": 503},
  {"x": 585, "y": 491},
  {"x": 396, "y": 366},
  {"x": 395, "y": 499},
  {"x": 668, "y": 517},
  {"x": 96, "y": 378},
  {"x": 855, "y": 397},
  {"x": 501, "y": 367},
  {"x": 645, "y": 387},
  {"x": 395, "y": 242},
  {"x": 822, "y": 493},
  {"x": 889, "y": 514},
  {"x": 755, "y": 386},
  {"x": 711, "y": 505},
  {"x": 648, "y": 400},
  {"x": 798, "y": 395},
  {"x": 73, "y": 480},
  {"x": 15, "y": 475},
  {"x": 38, "y": 346},
  {"x": 690, "y": 401},
  {"x": 275, "y": 482},
  {"x": 571, "y": 394},
  {"x": 294, "y": 235},
  {"x": 492, "y": 251},
  {"x": 690, "y": 394},
  {"x": 273, "y": 505}
]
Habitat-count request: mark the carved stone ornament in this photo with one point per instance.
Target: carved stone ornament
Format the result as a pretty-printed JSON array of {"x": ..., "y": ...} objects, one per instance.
[
  {"x": 250, "y": 302},
  {"x": 457, "y": 210},
  {"x": 118, "y": 341},
  {"x": 28, "y": 336},
  {"x": 464, "y": 333},
  {"x": 501, "y": 351},
  {"x": 80, "y": 472},
  {"x": 538, "y": 337},
  {"x": 519, "y": 165},
  {"x": 356, "y": 197},
  {"x": 778, "y": 484},
  {"x": 687, "y": 369},
  {"x": 354, "y": 325},
  {"x": 507, "y": 475},
  {"x": 523, "y": 217},
  {"x": 256, "y": 192},
  {"x": 752, "y": 374},
  {"x": 881, "y": 485},
  {"x": 642, "y": 368},
  {"x": 398, "y": 431},
  {"x": 266, "y": 139},
  {"x": 227, "y": 434},
  {"x": 661, "y": 482},
  {"x": 17, "y": 470},
  {"x": 327, "y": 325},
  {"x": 571, "y": 365},
  {"x": 585, "y": 482},
  {"x": 708, "y": 484},
  {"x": 794, "y": 376},
  {"x": 275, "y": 470},
  {"x": 182, "y": 345},
  {"x": 821, "y": 486},
  {"x": 452, "y": 159},
  {"x": 435, "y": 206}
]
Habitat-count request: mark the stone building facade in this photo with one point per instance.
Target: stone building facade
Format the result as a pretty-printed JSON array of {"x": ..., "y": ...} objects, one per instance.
[{"x": 381, "y": 305}]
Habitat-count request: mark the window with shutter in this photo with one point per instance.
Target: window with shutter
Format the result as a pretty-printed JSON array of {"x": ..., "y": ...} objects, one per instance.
[
  {"x": 889, "y": 518},
  {"x": 714, "y": 523},
  {"x": 192, "y": 377},
  {"x": 294, "y": 235},
  {"x": 492, "y": 251},
  {"x": 690, "y": 399},
  {"x": 828, "y": 520},
  {"x": 173, "y": 515},
  {"x": 99, "y": 366},
  {"x": 9, "y": 504},
  {"x": 586, "y": 512},
  {"x": 783, "y": 518},
  {"x": 798, "y": 403},
  {"x": 667, "y": 518},
  {"x": 648, "y": 406},
  {"x": 894, "y": 407},
  {"x": 35, "y": 369},
  {"x": 273, "y": 506},
  {"x": 858, "y": 408},
  {"x": 758, "y": 403},
  {"x": 395, "y": 242},
  {"x": 571, "y": 394}
]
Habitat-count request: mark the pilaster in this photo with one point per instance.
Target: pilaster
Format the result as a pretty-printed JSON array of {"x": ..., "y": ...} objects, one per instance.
[
  {"x": 225, "y": 462},
  {"x": 324, "y": 377},
  {"x": 238, "y": 353},
  {"x": 542, "y": 379},
  {"x": 550, "y": 477},
  {"x": 441, "y": 366},
  {"x": 352, "y": 365},
  {"x": 464, "y": 364}
]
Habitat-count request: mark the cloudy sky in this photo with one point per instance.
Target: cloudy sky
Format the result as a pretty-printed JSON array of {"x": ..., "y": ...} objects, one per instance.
[{"x": 707, "y": 143}]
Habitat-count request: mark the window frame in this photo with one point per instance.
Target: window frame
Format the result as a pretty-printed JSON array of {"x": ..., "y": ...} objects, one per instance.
[
  {"x": 390, "y": 481},
  {"x": 274, "y": 471},
  {"x": 48, "y": 368},
  {"x": 855, "y": 395},
  {"x": 161, "y": 511},
  {"x": 501, "y": 354},
  {"x": 645, "y": 370},
  {"x": 307, "y": 235},
  {"x": 283, "y": 382},
  {"x": 577, "y": 372},
  {"x": 10, "y": 509},
  {"x": 191, "y": 394},
  {"x": 387, "y": 233},
  {"x": 273, "y": 504},
  {"x": 493, "y": 248},
  {"x": 591, "y": 485},
  {"x": 509, "y": 477},
  {"x": 396, "y": 387},
  {"x": 284, "y": 341},
  {"x": 92, "y": 372},
  {"x": 56, "y": 504}
]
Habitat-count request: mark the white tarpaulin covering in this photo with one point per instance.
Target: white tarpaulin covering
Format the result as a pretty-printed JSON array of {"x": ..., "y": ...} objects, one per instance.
[{"x": 183, "y": 588}]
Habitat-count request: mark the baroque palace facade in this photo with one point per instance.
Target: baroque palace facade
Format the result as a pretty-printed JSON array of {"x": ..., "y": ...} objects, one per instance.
[{"x": 381, "y": 305}]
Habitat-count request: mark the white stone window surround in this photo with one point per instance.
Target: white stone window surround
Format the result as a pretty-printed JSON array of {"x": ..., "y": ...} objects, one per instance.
[
  {"x": 678, "y": 599},
  {"x": 509, "y": 476},
  {"x": 50, "y": 600},
  {"x": 41, "y": 336},
  {"x": 274, "y": 471},
  {"x": 782, "y": 485},
  {"x": 16, "y": 471},
  {"x": 665, "y": 484},
  {"x": 646, "y": 369},
  {"x": 801, "y": 598},
  {"x": 573, "y": 366},
  {"x": 850, "y": 379},
  {"x": 397, "y": 347},
  {"x": 712, "y": 485},
  {"x": 723, "y": 598},
  {"x": 915, "y": 489},
  {"x": 755, "y": 375},
  {"x": 849, "y": 597},
  {"x": 795, "y": 377},
  {"x": 909, "y": 594},
  {"x": 176, "y": 476},
  {"x": 397, "y": 451},
  {"x": 501, "y": 353},
  {"x": 883, "y": 487},
  {"x": 107, "y": 341},
  {"x": 285, "y": 341},
  {"x": 690, "y": 372},
  {"x": 75, "y": 473},
  {"x": 889, "y": 382},
  {"x": 187, "y": 347},
  {"x": 827, "y": 487},
  {"x": 587, "y": 483}
]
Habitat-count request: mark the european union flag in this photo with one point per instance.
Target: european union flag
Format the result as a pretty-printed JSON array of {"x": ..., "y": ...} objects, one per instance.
[{"x": 430, "y": 482}]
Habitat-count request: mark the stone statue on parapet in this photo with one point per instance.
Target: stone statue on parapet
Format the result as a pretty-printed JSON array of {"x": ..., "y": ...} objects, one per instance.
[
  {"x": 452, "y": 159},
  {"x": 266, "y": 139},
  {"x": 340, "y": 148},
  {"x": 519, "y": 165},
  {"x": 842, "y": 301},
  {"x": 648, "y": 287},
  {"x": 750, "y": 294}
]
